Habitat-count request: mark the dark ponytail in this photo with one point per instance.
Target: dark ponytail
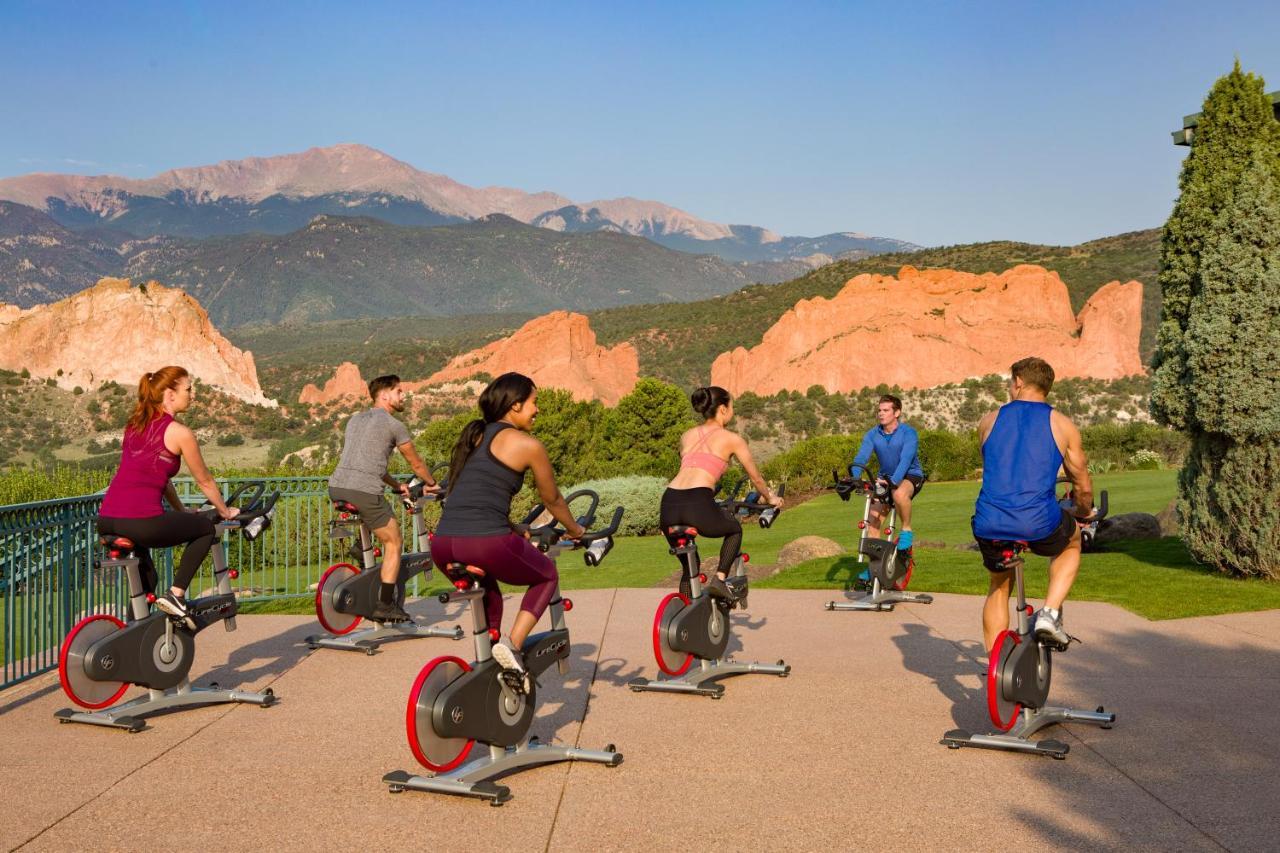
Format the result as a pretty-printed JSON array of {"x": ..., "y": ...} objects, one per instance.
[
  {"x": 708, "y": 399},
  {"x": 498, "y": 398}
]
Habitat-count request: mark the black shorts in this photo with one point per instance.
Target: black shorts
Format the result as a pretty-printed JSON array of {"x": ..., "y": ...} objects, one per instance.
[{"x": 1055, "y": 543}]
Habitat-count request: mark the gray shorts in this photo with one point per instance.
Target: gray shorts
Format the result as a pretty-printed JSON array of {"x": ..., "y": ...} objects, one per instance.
[{"x": 374, "y": 510}]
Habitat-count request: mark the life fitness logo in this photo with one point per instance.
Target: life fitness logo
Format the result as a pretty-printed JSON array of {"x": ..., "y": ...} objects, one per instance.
[
  {"x": 553, "y": 648},
  {"x": 456, "y": 714}
]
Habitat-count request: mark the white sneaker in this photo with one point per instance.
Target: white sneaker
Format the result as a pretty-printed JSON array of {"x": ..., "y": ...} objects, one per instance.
[{"x": 512, "y": 663}]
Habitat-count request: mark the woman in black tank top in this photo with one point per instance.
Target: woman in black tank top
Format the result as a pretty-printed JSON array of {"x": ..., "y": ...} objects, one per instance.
[{"x": 485, "y": 473}]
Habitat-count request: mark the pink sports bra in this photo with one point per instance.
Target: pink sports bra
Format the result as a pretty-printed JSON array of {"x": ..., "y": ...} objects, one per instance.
[{"x": 703, "y": 460}]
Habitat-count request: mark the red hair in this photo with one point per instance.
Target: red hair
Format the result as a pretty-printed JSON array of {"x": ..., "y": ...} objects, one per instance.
[{"x": 151, "y": 390}]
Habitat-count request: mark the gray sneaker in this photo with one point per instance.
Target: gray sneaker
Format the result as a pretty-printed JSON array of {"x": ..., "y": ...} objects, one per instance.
[{"x": 1048, "y": 630}]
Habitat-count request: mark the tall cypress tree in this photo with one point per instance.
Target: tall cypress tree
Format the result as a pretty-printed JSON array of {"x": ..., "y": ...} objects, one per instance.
[{"x": 1217, "y": 365}]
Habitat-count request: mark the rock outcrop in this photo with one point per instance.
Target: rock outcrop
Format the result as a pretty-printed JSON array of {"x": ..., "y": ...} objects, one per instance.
[
  {"x": 931, "y": 327},
  {"x": 346, "y": 382},
  {"x": 115, "y": 331},
  {"x": 556, "y": 350}
]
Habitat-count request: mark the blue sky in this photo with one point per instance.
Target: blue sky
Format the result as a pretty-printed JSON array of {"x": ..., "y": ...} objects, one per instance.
[{"x": 932, "y": 122}]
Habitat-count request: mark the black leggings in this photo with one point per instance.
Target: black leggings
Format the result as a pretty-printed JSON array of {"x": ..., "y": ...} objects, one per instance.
[
  {"x": 697, "y": 508},
  {"x": 195, "y": 530}
]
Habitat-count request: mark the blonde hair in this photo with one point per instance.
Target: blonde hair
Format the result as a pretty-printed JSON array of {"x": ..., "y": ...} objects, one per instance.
[{"x": 151, "y": 390}]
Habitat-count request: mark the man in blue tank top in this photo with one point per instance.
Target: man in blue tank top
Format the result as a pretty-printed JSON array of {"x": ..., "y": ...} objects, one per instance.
[
  {"x": 1023, "y": 446},
  {"x": 895, "y": 445}
]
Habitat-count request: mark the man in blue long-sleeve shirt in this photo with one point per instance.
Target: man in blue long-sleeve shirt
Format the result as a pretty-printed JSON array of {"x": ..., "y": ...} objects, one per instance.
[{"x": 895, "y": 445}]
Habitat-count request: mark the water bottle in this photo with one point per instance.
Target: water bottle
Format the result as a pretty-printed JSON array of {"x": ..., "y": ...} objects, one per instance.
[
  {"x": 596, "y": 551},
  {"x": 257, "y": 525}
]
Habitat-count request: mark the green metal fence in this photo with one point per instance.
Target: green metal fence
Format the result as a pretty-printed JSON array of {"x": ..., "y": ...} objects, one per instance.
[{"x": 48, "y": 577}]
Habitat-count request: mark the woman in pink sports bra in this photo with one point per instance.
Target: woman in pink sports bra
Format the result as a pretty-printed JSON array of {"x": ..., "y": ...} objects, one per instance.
[{"x": 690, "y": 498}]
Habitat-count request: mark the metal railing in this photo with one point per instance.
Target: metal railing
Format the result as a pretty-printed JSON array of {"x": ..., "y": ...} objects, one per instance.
[{"x": 49, "y": 578}]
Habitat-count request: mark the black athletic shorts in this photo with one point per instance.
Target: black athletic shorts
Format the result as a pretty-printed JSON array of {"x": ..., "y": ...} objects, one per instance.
[
  {"x": 1050, "y": 546},
  {"x": 915, "y": 480}
]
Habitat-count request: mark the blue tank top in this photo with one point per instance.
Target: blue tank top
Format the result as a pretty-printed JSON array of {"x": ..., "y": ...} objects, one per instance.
[{"x": 1020, "y": 462}]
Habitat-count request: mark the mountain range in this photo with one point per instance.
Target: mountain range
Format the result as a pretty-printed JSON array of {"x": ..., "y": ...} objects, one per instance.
[
  {"x": 343, "y": 267},
  {"x": 278, "y": 195}
]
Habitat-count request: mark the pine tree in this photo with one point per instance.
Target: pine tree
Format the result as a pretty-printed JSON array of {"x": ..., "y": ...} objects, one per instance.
[
  {"x": 1217, "y": 367},
  {"x": 1237, "y": 116}
]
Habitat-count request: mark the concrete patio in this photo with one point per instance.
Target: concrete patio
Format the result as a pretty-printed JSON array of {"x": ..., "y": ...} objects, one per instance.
[{"x": 843, "y": 754}]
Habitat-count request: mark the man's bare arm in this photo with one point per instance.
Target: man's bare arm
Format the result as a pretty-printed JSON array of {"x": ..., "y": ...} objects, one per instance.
[
  {"x": 416, "y": 464},
  {"x": 985, "y": 425},
  {"x": 1075, "y": 462}
]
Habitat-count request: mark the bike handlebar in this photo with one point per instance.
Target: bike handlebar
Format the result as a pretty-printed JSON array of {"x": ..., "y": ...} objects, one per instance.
[{"x": 255, "y": 487}]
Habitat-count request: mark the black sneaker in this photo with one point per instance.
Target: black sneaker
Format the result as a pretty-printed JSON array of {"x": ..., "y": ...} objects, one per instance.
[
  {"x": 738, "y": 586},
  {"x": 176, "y": 607},
  {"x": 385, "y": 611},
  {"x": 717, "y": 588}
]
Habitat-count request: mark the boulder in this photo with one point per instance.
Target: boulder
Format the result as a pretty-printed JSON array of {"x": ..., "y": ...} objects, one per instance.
[
  {"x": 115, "y": 331},
  {"x": 556, "y": 350},
  {"x": 346, "y": 382},
  {"x": 1168, "y": 518},
  {"x": 1130, "y": 525},
  {"x": 942, "y": 326},
  {"x": 806, "y": 548}
]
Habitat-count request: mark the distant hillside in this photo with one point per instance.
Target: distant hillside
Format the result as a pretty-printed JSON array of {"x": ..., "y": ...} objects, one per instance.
[
  {"x": 351, "y": 267},
  {"x": 41, "y": 261}
]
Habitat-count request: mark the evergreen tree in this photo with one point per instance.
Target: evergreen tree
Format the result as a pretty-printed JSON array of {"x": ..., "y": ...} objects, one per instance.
[
  {"x": 1237, "y": 116},
  {"x": 642, "y": 433},
  {"x": 1217, "y": 365}
]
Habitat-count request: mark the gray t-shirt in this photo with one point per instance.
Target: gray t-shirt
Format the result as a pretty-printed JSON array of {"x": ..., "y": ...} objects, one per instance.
[{"x": 372, "y": 436}]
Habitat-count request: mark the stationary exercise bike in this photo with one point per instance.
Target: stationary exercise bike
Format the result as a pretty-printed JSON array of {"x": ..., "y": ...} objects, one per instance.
[
  {"x": 693, "y": 625},
  {"x": 1018, "y": 677},
  {"x": 347, "y": 594},
  {"x": 102, "y": 657},
  {"x": 890, "y": 569},
  {"x": 455, "y": 704}
]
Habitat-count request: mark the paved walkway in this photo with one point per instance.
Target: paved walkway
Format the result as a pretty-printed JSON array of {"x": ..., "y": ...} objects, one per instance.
[{"x": 843, "y": 754}]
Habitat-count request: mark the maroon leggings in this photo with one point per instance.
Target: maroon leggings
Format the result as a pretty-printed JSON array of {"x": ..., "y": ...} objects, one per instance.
[{"x": 507, "y": 557}]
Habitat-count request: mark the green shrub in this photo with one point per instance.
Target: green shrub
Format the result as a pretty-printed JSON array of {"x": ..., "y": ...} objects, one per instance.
[
  {"x": 639, "y": 496},
  {"x": 948, "y": 455},
  {"x": 233, "y": 439},
  {"x": 808, "y": 464}
]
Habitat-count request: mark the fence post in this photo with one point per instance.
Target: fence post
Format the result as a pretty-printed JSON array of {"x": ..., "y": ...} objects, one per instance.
[{"x": 64, "y": 571}]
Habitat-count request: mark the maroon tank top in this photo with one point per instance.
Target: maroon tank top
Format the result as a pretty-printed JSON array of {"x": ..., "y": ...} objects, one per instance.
[{"x": 137, "y": 489}]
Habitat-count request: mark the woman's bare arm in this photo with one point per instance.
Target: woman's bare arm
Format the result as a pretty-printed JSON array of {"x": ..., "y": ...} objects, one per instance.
[
  {"x": 184, "y": 441},
  {"x": 739, "y": 449}
]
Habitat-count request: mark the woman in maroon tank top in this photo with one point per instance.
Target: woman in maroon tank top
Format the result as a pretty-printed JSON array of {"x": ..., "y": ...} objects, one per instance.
[{"x": 152, "y": 451}]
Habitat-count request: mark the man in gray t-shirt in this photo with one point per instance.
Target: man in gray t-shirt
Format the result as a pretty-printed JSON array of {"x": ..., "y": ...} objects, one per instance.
[{"x": 372, "y": 436}]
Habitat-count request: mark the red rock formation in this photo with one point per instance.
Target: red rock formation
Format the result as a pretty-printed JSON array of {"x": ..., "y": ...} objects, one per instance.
[
  {"x": 346, "y": 382},
  {"x": 927, "y": 328},
  {"x": 557, "y": 350},
  {"x": 116, "y": 332}
]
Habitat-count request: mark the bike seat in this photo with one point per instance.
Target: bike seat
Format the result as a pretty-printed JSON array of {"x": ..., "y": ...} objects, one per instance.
[
  {"x": 345, "y": 506},
  {"x": 682, "y": 530},
  {"x": 1011, "y": 551},
  {"x": 116, "y": 545},
  {"x": 462, "y": 572}
]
